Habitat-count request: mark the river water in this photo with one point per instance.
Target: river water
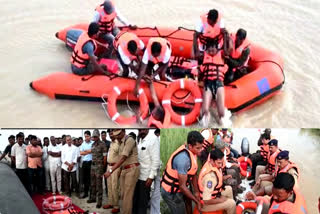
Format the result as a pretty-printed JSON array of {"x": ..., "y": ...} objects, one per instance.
[{"x": 29, "y": 50}]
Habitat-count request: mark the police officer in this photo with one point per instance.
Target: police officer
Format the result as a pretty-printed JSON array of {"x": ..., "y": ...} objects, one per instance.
[
  {"x": 99, "y": 157},
  {"x": 113, "y": 180},
  {"x": 211, "y": 186},
  {"x": 130, "y": 168}
]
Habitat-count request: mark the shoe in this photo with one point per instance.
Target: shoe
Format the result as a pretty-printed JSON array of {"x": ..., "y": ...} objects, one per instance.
[
  {"x": 99, "y": 205},
  {"x": 115, "y": 210},
  {"x": 60, "y": 193},
  {"x": 250, "y": 178},
  {"x": 252, "y": 183},
  {"x": 84, "y": 196},
  {"x": 91, "y": 201},
  {"x": 53, "y": 193},
  {"x": 107, "y": 206}
]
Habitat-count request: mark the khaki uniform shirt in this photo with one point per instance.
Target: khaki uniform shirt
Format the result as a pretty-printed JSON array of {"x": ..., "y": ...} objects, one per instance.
[
  {"x": 129, "y": 149},
  {"x": 113, "y": 154}
]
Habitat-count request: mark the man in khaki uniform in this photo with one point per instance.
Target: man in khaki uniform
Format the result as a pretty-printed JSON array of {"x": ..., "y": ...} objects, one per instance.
[
  {"x": 113, "y": 180},
  {"x": 130, "y": 168},
  {"x": 213, "y": 200}
]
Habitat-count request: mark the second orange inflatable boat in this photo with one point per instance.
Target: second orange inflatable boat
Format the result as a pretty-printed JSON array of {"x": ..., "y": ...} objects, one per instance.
[{"x": 263, "y": 82}]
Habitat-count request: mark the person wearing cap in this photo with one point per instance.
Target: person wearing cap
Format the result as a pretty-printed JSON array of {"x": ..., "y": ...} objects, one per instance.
[
  {"x": 283, "y": 165},
  {"x": 7, "y": 150},
  {"x": 113, "y": 180},
  {"x": 180, "y": 174},
  {"x": 99, "y": 159},
  {"x": 104, "y": 15},
  {"x": 262, "y": 171},
  {"x": 149, "y": 159},
  {"x": 230, "y": 170},
  {"x": 130, "y": 168}
]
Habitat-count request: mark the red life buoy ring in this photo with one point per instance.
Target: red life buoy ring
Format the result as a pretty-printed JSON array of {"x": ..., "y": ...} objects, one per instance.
[
  {"x": 56, "y": 203},
  {"x": 191, "y": 86},
  {"x": 158, "y": 124},
  {"x": 246, "y": 205},
  {"x": 112, "y": 105},
  {"x": 243, "y": 172}
]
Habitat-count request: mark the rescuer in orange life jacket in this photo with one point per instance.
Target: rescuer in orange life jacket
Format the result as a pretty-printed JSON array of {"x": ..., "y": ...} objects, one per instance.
[
  {"x": 284, "y": 198},
  {"x": 238, "y": 58},
  {"x": 83, "y": 59},
  {"x": 180, "y": 173}
]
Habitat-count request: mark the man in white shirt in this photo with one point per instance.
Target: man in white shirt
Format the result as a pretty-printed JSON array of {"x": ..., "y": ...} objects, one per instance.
[
  {"x": 54, "y": 152},
  {"x": 19, "y": 156},
  {"x": 149, "y": 159},
  {"x": 155, "y": 191},
  {"x": 45, "y": 160},
  {"x": 69, "y": 156},
  {"x": 85, "y": 148}
]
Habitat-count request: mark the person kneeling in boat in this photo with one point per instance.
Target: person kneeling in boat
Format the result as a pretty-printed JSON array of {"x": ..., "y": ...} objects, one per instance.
[
  {"x": 283, "y": 165},
  {"x": 285, "y": 198},
  {"x": 213, "y": 194},
  {"x": 212, "y": 72},
  {"x": 83, "y": 60},
  {"x": 129, "y": 49},
  {"x": 105, "y": 15},
  {"x": 158, "y": 52},
  {"x": 209, "y": 29},
  {"x": 237, "y": 61}
]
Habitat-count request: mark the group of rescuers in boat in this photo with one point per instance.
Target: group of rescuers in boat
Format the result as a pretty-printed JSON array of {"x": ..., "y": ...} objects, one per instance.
[
  {"x": 215, "y": 187},
  {"x": 222, "y": 58}
]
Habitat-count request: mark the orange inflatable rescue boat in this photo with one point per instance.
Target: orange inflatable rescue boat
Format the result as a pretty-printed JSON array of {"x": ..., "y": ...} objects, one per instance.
[{"x": 264, "y": 81}]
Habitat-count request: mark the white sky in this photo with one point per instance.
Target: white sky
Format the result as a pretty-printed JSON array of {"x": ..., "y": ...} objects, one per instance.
[{"x": 41, "y": 133}]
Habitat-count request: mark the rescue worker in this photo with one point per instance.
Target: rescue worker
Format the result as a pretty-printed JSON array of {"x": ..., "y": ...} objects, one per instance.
[
  {"x": 212, "y": 192},
  {"x": 285, "y": 198},
  {"x": 208, "y": 143},
  {"x": 209, "y": 29},
  {"x": 267, "y": 131},
  {"x": 130, "y": 168},
  {"x": 212, "y": 72},
  {"x": 238, "y": 60},
  {"x": 129, "y": 51},
  {"x": 83, "y": 59},
  {"x": 230, "y": 169},
  {"x": 227, "y": 138},
  {"x": 113, "y": 180},
  {"x": 283, "y": 165},
  {"x": 99, "y": 159},
  {"x": 180, "y": 173},
  {"x": 261, "y": 157},
  {"x": 158, "y": 52},
  {"x": 263, "y": 171},
  {"x": 105, "y": 15}
]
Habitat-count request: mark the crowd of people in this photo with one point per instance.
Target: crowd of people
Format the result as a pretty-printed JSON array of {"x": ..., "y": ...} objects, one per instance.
[
  {"x": 217, "y": 185},
  {"x": 222, "y": 57},
  {"x": 129, "y": 164}
]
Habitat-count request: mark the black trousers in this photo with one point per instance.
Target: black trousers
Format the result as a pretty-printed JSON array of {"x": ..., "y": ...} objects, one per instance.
[
  {"x": 36, "y": 179},
  {"x": 23, "y": 176},
  {"x": 86, "y": 169},
  {"x": 141, "y": 198},
  {"x": 256, "y": 159},
  {"x": 66, "y": 178}
]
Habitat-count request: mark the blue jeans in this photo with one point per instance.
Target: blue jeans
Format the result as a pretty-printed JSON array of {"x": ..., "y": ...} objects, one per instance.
[{"x": 175, "y": 202}]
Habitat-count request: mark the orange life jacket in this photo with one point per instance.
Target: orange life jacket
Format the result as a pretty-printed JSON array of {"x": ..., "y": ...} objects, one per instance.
[
  {"x": 209, "y": 32},
  {"x": 236, "y": 52},
  {"x": 207, "y": 168},
  {"x": 264, "y": 152},
  {"x": 165, "y": 44},
  {"x": 297, "y": 207},
  {"x": 209, "y": 141},
  {"x": 106, "y": 21},
  {"x": 272, "y": 161},
  {"x": 170, "y": 180},
  {"x": 78, "y": 58},
  {"x": 123, "y": 39},
  {"x": 213, "y": 67},
  {"x": 287, "y": 168}
]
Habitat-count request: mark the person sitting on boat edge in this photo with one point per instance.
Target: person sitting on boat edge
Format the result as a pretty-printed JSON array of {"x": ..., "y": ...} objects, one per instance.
[
  {"x": 212, "y": 72},
  {"x": 285, "y": 198},
  {"x": 129, "y": 50},
  {"x": 238, "y": 60},
  {"x": 158, "y": 52},
  {"x": 83, "y": 59},
  {"x": 105, "y": 15},
  {"x": 210, "y": 28}
]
